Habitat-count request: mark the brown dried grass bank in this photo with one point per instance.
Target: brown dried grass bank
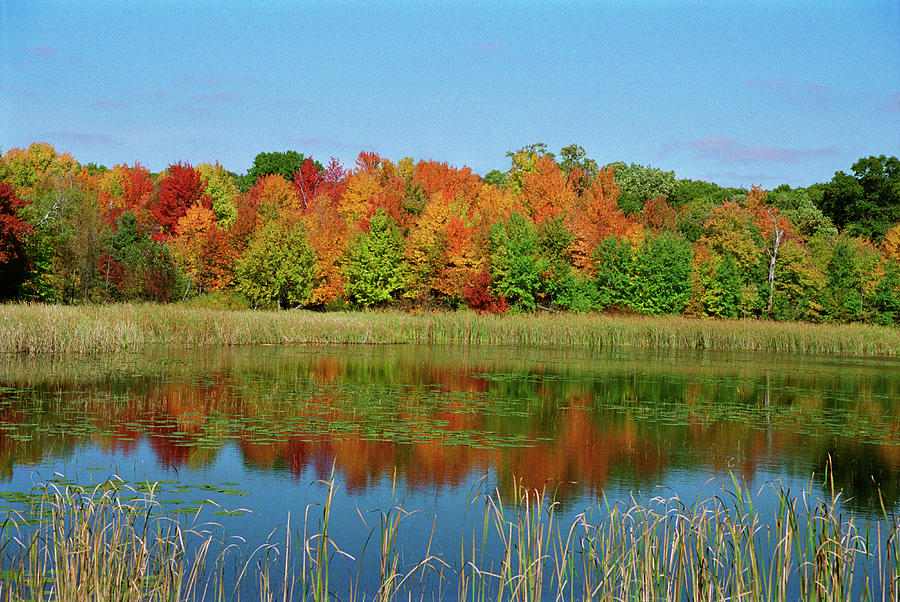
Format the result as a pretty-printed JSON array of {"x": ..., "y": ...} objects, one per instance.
[{"x": 36, "y": 328}]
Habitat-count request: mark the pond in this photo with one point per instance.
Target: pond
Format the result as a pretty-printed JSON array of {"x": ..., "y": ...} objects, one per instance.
[{"x": 242, "y": 437}]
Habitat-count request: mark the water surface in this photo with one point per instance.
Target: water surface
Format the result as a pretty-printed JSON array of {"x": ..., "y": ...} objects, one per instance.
[{"x": 241, "y": 435}]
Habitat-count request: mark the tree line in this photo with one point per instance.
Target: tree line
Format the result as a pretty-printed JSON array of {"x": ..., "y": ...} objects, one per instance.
[{"x": 552, "y": 232}]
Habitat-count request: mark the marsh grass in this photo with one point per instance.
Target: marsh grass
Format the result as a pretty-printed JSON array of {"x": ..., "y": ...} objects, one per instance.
[
  {"x": 36, "y": 328},
  {"x": 94, "y": 546}
]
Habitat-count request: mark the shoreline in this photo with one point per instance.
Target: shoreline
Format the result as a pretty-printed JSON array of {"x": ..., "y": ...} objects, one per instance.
[{"x": 83, "y": 329}]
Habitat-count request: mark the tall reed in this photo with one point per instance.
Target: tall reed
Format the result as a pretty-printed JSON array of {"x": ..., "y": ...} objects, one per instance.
[
  {"x": 94, "y": 546},
  {"x": 36, "y": 328}
]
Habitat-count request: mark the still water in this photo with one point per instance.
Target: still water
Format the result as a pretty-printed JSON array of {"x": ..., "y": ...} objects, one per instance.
[{"x": 241, "y": 436}]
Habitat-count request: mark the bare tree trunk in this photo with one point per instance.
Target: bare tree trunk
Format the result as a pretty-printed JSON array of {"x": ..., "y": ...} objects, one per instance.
[{"x": 773, "y": 254}]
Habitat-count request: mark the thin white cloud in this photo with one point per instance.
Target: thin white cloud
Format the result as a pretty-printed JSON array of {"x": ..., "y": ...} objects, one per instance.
[
  {"x": 721, "y": 148},
  {"x": 42, "y": 50},
  {"x": 80, "y": 137}
]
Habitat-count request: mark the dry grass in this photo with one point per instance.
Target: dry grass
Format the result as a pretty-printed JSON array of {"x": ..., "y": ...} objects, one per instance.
[{"x": 35, "y": 328}]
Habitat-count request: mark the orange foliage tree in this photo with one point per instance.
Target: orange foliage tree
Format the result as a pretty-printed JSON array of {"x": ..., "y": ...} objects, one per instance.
[
  {"x": 545, "y": 191},
  {"x": 597, "y": 217},
  {"x": 202, "y": 249}
]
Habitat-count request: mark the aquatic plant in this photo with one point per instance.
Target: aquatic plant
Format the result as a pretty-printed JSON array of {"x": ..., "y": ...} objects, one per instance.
[{"x": 92, "y": 544}]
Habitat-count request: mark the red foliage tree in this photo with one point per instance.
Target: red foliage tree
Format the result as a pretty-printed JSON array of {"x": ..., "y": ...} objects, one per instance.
[
  {"x": 479, "y": 297},
  {"x": 13, "y": 231},
  {"x": 334, "y": 183},
  {"x": 180, "y": 187},
  {"x": 307, "y": 181}
]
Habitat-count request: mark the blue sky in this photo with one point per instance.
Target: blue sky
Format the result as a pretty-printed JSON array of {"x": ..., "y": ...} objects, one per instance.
[{"x": 737, "y": 93}]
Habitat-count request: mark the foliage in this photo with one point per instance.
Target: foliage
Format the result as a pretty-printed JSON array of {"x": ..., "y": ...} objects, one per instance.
[
  {"x": 14, "y": 263},
  {"x": 202, "y": 249},
  {"x": 639, "y": 184},
  {"x": 547, "y": 234},
  {"x": 662, "y": 277},
  {"x": 37, "y": 170},
  {"x": 616, "y": 265},
  {"x": 798, "y": 206},
  {"x": 886, "y": 300},
  {"x": 524, "y": 161},
  {"x": 136, "y": 267},
  {"x": 574, "y": 157},
  {"x": 517, "y": 266},
  {"x": 284, "y": 164},
  {"x": 545, "y": 191},
  {"x": 843, "y": 301},
  {"x": 866, "y": 203},
  {"x": 376, "y": 269},
  {"x": 596, "y": 218},
  {"x": 222, "y": 188},
  {"x": 478, "y": 296},
  {"x": 497, "y": 178},
  {"x": 179, "y": 188},
  {"x": 278, "y": 268}
]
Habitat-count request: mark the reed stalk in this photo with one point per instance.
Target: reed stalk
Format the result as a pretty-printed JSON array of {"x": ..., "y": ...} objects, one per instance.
[
  {"x": 91, "y": 545},
  {"x": 37, "y": 328}
]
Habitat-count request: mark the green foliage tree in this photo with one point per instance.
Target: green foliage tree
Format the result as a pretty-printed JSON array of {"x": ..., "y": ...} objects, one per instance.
[
  {"x": 136, "y": 267},
  {"x": 376, "y": 268},
  {"x": 662, "y": 276},
  {"x": 285, "y": 164},
  {"x": 497, "y": 178},
  {"x": 639, "y": 184},
  {"x": 66, "y": 246},
  {"x": 886, "y": 300},
  {"x": 575, "y": 157},
  {"x": 616, "y": 265},
  {"x": 278, "y": 268},
  {"x": 866, "y": 203},
  {"x": 724, "y": 296},
  {"x": 221, "y": 186},
  {"x": 843, "y": 301},
  {"x": 799, "y": 207},
  {"x": 554, "y": 242},
  {"x": 517, "y": 265}
]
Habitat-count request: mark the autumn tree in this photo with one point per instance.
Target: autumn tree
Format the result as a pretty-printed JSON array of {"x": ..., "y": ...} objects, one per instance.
[
  {"x": 180, "y": 187},
  {"x": 125, "y": 188},
  {"x": 307, "y": 182},
  {"x": 596, "y": 218},
  {"x": 891, "y": 243},
  {"x": 37, "y": 170},
  {"x": 222, "y": 188},
  {"x": 376, "y": 270},
  {"x": 13, "y": 233},
  {"x": 524, "y": 161},
  {"x": 545, "y": 191},
  {"x": 375, "y": 184},
  {"x": 202, "y": 250},
  {"x": 278, "y": 268},
  {"x": 799, "y": 284},
  {"x": 329, "y": 238}
]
